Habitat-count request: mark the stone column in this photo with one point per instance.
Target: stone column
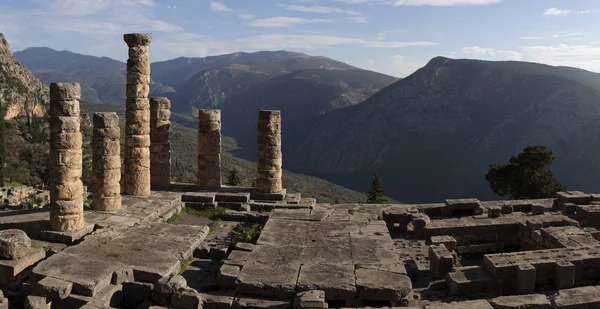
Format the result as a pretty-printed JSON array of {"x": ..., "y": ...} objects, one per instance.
[
  {"x": 209, "y": 149},
  {"x": 160, "y": 147},
  {"x": 106, "y": 162},
  {"x": 66, "y": 188},
  {"x": 137, "y": 116},
  {"x": 268, "y": 159}
]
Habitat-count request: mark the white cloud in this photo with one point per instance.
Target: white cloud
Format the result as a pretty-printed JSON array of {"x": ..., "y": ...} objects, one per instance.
[
  {"x": 246, "y": 16},
  {"x": 585, "y": 11},
  {"x": 358, "y": 19},
  {"x": 491, "y": 53},
  {"x": 283, "y": 22},
  {"x": 556, "y": 12},
  {"x": 219, "y": 7},
  {"x": 396, "y": 65},
  {"x": 531, "y": 38},
  {"x": 444, "y": 2},
  {"x": 83, "y": 8},
  {"x": 563, "y": 34},
  {"x": 298, "y": 41},
  {"x": 171, "y": 6},
  {"x": 318, "y": 9}
]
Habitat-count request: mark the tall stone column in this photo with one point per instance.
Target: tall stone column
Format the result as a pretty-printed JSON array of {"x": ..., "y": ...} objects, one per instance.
[
  {"x": 160, "y": 147},
  {"x": 137, "y": 116},
  {"x": 106, "y": 162},
  {"x": 66, "y": 188},
  {"x": 209, "y": 149},
  {"x": 268, "y": 160}
]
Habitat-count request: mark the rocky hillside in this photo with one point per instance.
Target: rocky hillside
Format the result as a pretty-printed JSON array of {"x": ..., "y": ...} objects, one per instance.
[
  {"x": 433, "y": 134},
  {"x": 21, "y": 93}
]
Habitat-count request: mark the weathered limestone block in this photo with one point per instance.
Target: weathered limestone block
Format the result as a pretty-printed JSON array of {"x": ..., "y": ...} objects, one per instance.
[
  {"x": 135, "y": 293},
  {"x": 441, "y": 261},
  {"x": 66, "y": 188},
  {"x": 186, "y": 298},
  {"x": 314, "y": 299},
  {"x": 537, "y": 209},
  {"x": 160, "y": 147},
  {"x": 54, "y": 288},
  {"x": 377, "y": 285},
  {"x": 507, "y": 209},
  {"x": 525, "y": 279},
  {"x": 137, "y": 116},
  {"x": 227, "y": 276},
  {"x": 106, "y": 162},
  {"x": 166, "y": 287},
  {"x": 269, "y": 157},
  {"x": 14, "y": 244},
  {"x": 446, "y": 240},
  {"x": 582, "y": 297},
  {"x": 36, "y": 302},
  {"x": 532, "y": 301},
  {"x": 209, "y": 149},
  {"x": 494, "y": 211},
  {"x": 564, "y": 277}
]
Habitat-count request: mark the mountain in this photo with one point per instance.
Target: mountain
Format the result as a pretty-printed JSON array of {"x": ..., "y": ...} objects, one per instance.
[
  {"x": 21, "y": 93},
  {"x": 433, "y": 134},
  {"x": 102, "y": 79}
]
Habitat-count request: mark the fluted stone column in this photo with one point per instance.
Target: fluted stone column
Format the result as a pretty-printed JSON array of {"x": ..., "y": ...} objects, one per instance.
[
  {"x": 66, "y": 188},
  {"x": 106, "y": 162},
  {"x": 160, "y": 147},
  {"x": 209, "y": 149},
  {"x": 137, "y": 116},
  {"x": 268, "y": 160}
]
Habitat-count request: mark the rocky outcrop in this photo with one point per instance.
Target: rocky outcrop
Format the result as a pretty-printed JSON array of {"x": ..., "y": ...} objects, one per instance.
[{"x": 21, "y": 93}]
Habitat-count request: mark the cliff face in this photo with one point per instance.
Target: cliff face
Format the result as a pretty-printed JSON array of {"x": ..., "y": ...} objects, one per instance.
[{"x": 21, "y": 93}]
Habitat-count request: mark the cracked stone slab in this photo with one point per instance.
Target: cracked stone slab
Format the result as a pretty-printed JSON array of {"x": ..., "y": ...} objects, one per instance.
[
  {"x": 11, "y": 268},
  {"x": 283, "y": 232},
  {"x": 336, "y": 280},
  {"x": 276, "y": 281},
  {"x": 380, "y": 285}
]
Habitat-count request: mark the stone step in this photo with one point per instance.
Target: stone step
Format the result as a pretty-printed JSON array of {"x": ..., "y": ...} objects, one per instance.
[
  {"x": 233, "y": 197},
  {"x": 200, "y": 206},
  {"x": 293, "y": 198},
  {"x": 199, "y": 197},
  {"x": 278, "y": 196},
  {"x": 235, "y": 206},
  {"x": 308, "y": 201}
]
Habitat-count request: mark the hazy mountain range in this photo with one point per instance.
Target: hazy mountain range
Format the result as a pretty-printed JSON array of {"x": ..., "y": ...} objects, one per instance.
[{"x": 430, "y": 135}]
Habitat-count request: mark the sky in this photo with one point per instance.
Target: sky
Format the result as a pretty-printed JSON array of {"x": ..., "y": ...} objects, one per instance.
[{"x": 394, "y": 37}]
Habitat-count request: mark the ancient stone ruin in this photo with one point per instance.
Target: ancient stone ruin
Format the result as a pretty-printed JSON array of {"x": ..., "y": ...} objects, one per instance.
[
  {"x": 137, "y": 116},
  {"x": 145, "y": 247}
]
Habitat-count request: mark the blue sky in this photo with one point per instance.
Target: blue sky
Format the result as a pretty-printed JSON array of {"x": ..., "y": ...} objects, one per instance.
[{"x": 395, "y": 37}]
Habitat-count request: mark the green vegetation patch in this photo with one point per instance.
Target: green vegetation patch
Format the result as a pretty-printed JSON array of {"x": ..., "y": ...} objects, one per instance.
[{"x": 245, "y": 233}]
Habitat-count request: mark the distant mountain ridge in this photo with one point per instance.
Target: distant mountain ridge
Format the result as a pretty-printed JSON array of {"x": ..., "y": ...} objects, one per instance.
[{"x": 433, "y": 134}]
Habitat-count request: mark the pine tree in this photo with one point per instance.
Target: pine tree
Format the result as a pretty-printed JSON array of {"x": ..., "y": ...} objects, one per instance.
[
  {"x": 233, "y": 179},
  {"x": 375, "y": 195},
  {"x": 526, "y": 176}
]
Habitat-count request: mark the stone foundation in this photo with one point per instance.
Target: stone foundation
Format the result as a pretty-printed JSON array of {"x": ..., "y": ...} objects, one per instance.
[
  {"x": 66, "y": 188},
  {"x": 106, "y": 162}
]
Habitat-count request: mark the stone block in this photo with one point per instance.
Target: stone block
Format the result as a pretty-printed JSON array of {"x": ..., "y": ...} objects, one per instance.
[
  {"x": 531, "y": 301},
  {"x": 276, "y": 281},
  {"x": 244, "y": 246},
  {"x": 14, "y": 244},
  {"x": 446, "y": 240},
  {"x": 534, "y": 224},
  {"x": 217, "y": 300},
  {"x": 135, "y": 293},
  {"x": 232, "y": 197},
  {"x": 494, "y": 211},
  {"x": 420, "y": 220},
  {"x": 122, "y": 275},
  {"x": 526, "y": 275},
  {"x": 336, "y": 280},
  {"x": 377, "y": 285},
  {"x": 577, "y": 298},
  {"x": 186, "y": 298},
  {"x": 166, "y": 287},
  {"x": 569, "y": 208},
  {"x": 243, "y": 302},
  {"x": 36, "y": 302},
  {"x": 564, "y": 277},
  {"x": 441, "y": 261},
  {"x": 537, "y": 209},
  {"x": 227, "y": 276},
  {"x": 507, "y": 209},
  {"x": 313, "y": 299},
  {"x": 266, "y": 196},
  {"x": 468, "y": 304},
  {"x": 54, "y": 288},
  {"x": 462, "y": 204},
  {"x": 11, "y": 268}
]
